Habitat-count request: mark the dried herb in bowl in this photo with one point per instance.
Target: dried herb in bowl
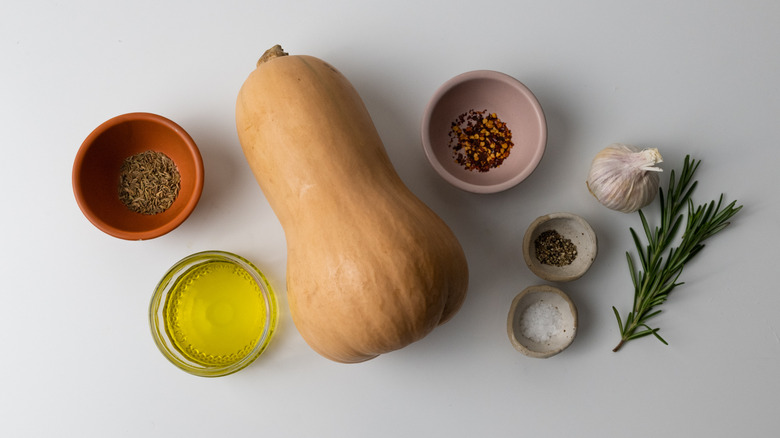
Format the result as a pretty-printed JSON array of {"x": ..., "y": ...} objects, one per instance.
[{"x": 149, "y": 182}]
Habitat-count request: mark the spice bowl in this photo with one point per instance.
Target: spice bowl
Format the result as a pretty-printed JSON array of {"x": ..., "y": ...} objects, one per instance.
[
  {"x": 213, "y": 313},
  {"x": 559, "y": 247},
  {"x": 542, "y": 321},
  {"x": 99, "y": 163},
  {"x": 518, "y": 114}
]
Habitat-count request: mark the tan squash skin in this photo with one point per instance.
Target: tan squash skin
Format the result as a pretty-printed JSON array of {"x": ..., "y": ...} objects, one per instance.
[{"x": 370, "y": 268}]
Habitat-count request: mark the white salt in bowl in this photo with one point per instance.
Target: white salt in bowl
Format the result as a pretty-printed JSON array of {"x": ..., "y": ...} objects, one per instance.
[{"x": 542, "y": 321}]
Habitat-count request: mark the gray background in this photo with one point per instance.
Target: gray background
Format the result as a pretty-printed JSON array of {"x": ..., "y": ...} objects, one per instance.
[{"x": 694, "y": 77}]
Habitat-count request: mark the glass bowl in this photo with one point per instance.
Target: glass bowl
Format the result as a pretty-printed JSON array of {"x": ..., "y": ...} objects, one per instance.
[{"x": 213, "y": 313}]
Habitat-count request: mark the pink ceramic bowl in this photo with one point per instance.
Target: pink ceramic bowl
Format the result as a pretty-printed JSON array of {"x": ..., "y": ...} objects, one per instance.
[
  {"x": 97, "y": 167},
  {"x": 497, "y": 93}
]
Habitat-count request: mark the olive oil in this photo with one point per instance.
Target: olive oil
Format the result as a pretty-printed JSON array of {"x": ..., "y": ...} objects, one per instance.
[{"x": 216, "y": 313}]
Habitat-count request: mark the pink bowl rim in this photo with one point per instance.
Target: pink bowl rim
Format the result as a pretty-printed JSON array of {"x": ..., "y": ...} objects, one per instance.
[{"x": 426, "y": 134}]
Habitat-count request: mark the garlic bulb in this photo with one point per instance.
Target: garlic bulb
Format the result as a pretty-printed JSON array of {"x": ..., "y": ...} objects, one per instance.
[{"x": 624, "y": 177}]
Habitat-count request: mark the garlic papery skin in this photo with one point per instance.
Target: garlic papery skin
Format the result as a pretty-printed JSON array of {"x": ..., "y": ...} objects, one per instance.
[{"x": 625, "y": 177}]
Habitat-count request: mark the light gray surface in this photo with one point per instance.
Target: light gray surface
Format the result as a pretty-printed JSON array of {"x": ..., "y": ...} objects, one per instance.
[{"x": 696, "y": 77}]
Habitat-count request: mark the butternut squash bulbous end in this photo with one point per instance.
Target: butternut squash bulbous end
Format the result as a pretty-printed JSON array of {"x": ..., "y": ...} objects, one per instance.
[{"x": 370, "y": 268}]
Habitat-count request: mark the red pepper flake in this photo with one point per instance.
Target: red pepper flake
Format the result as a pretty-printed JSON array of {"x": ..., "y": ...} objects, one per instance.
[{"x": 480, "y": 141}]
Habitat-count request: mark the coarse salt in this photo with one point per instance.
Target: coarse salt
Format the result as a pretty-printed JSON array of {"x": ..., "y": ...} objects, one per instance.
[{"x": 541, "y": 321}]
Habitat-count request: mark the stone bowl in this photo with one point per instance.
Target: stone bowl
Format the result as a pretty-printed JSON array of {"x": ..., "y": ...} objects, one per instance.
[
  {"x": 569, "y": 227},
  {"x": 542, "y": 321}
]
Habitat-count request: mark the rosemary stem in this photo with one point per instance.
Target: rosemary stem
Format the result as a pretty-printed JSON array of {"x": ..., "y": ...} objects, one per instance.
[{"x": 658, "y": 277}]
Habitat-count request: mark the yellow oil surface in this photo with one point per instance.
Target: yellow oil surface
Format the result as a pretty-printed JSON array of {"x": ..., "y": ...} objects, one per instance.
[{"x": 215, "y": 314}]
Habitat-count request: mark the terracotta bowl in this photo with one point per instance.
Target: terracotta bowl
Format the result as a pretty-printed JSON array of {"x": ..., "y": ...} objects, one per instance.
[
  {"x": 497, "y": 93},
  {"x": 98, "y": 163},
  {"x": 542, "y": 321},
  {"x": 571, "y": 227}
]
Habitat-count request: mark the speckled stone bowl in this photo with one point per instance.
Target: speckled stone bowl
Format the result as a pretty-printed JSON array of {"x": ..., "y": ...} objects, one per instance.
[
  {"x": 571, "y": 227},
  {"x": 524, "y": 336},
  {"x": 497, "y": 93}
]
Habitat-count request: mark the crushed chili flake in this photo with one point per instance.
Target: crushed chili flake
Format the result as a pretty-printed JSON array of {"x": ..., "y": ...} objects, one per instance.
[{"x": 480, "y": 140}]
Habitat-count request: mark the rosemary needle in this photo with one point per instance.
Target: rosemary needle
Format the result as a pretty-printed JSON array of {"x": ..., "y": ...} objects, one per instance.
[{"x": 658, "y": 276}]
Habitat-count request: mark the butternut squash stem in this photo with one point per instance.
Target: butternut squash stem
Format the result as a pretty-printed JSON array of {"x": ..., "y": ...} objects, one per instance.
[{"x": 274, "y": 52}]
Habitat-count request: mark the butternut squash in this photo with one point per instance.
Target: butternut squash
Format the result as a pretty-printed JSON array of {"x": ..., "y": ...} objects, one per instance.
[{"x": 370, "y": 268}]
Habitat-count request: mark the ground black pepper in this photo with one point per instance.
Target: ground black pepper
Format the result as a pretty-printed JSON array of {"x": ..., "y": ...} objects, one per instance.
[
  {"x": 480, "y": 141},
  {"x": 554, "y": 249}
]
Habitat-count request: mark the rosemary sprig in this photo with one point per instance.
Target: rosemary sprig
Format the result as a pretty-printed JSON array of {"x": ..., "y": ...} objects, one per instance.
[{"x": 658, "y": 276}]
